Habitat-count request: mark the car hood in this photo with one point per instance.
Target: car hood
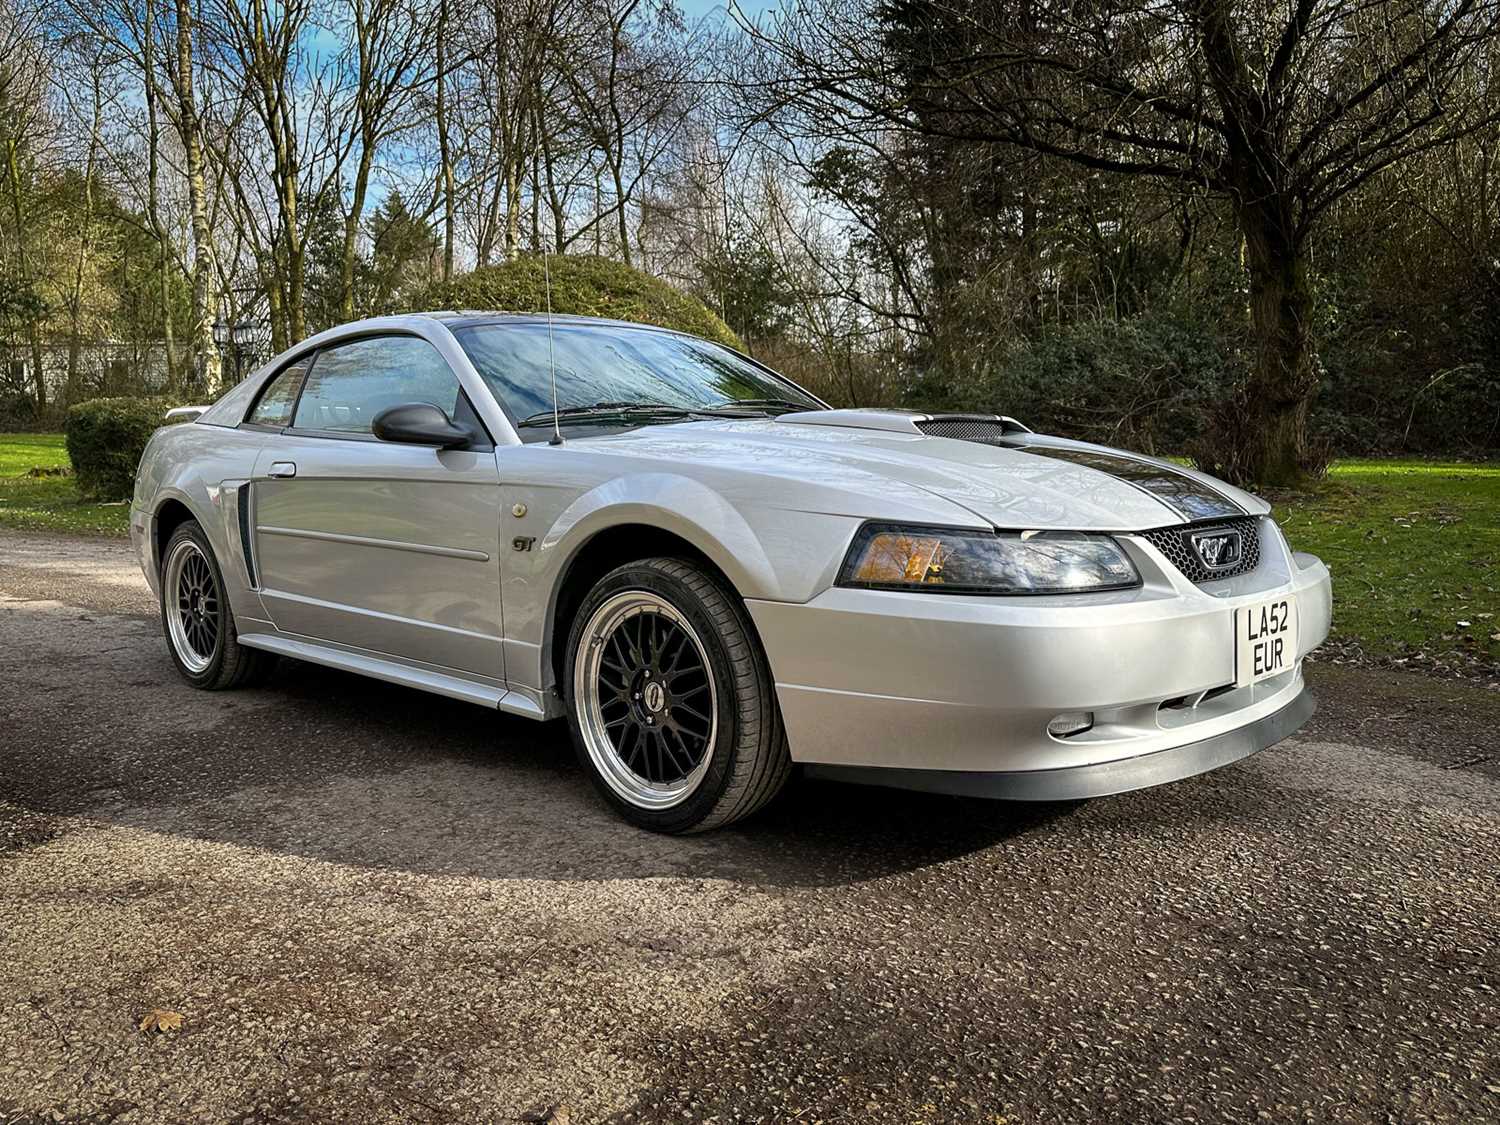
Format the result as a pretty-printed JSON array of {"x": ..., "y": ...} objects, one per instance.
[{"x": 1010, "y": 479}]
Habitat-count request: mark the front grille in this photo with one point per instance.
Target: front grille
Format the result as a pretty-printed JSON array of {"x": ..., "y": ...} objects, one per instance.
[
  {"x": 1177, "y": 544},
  {"x": 986, "y": 429}
]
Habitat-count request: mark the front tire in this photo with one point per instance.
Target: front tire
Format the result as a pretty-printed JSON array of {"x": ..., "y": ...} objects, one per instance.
[
  {"x": 670, "y": 700},
  {"x": 197, "y": 619}
]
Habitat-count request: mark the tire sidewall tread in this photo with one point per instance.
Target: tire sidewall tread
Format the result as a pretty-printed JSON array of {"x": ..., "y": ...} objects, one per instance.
[
  {"x": 750, "y": 761},
  {"x": 233, "y": 665}
]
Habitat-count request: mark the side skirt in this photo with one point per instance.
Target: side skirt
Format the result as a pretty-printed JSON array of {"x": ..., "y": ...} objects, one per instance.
[{"x": 423, "y": 679}]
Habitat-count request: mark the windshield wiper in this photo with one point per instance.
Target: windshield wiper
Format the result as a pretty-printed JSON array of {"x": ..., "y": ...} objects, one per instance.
[
  {"x": 754, "y": 407},
  {"x": 607, "y": 410},
  {"x": 790, "y": 404},
  {"x": 734, "y": 408}
]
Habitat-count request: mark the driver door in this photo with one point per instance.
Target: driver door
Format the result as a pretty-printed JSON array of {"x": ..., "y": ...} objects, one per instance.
[{"x": 381, "y": 546}]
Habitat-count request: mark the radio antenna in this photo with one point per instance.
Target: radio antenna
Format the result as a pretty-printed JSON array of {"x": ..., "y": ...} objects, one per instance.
[{"x": 556, "y": 438}]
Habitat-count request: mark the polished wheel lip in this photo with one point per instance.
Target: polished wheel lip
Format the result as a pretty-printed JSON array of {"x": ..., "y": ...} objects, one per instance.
[
  {"x": 193, "y": 606},
  {"x": 628, "y": 785}
]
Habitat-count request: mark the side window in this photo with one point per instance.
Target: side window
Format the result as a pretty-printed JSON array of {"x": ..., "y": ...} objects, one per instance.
[
  {"x": 352, "y": 383},
  {"x": 275, "y": 405}
]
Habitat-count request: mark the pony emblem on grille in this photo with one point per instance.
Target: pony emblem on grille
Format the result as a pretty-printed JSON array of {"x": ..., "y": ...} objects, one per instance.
[{"x": 1218, "y": 549}]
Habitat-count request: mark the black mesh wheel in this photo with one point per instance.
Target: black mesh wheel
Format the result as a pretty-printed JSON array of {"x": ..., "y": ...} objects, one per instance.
[
  {"x": 197, "y": 618},
  {"x": 671, "y": 704}
]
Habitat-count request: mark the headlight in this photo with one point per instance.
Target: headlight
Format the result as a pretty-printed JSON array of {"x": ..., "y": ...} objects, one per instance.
[{"x": 957, "y": 561}]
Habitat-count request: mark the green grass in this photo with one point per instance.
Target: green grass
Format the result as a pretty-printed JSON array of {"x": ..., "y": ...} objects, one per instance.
[
  {"x": 49, "y": 503},
  {"x": 19, "y": 453},
  {"x": 1414, "y": 545}
]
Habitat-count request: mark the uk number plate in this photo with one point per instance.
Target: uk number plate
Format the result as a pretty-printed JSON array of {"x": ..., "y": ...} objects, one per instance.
[{"x": 1265, "y": 640}]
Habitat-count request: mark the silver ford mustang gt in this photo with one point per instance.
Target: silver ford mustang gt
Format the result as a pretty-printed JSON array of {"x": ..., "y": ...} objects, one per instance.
[{"x": 715, "y": 576}]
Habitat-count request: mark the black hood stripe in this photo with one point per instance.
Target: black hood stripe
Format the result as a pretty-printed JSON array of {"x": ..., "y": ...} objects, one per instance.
[{"x": 1185, "y": 495}]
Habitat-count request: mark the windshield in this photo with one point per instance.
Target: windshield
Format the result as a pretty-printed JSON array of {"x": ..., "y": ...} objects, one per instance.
[{"x": 619, "y": 367}]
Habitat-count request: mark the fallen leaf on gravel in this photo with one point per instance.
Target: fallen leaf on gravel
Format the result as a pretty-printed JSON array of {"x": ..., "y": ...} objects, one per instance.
[
  {"x": 160, "y": 1019},
  {"x": 558, "y": 1114}
]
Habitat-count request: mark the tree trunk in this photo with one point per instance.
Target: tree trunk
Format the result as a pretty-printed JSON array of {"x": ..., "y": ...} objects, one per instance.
[
  {"x": 277, "y": 314},
  {"x": 351, "y": 226},
  {"x": 153, "y": 194},
  {"x": 536, "y": 202},
  {"x": 512, "y": 206},
  {"x": 445, "y": 155},
  {"x": 1262, "y": 435},
  {"x": 554, "y": 202},
  {"x": 296, "y": 316},
  {"x": 85, "y": 252},
  {"x": 624, "y": 230},
  {"x": 33, "y": 326},
  {"x": 210, "y": 367},
  {"x": 1272, "y": 435}
]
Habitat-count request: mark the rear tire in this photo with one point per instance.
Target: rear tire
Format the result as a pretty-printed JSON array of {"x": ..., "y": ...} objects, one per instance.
[
  {"x": 197, "y": 619},
  {"x": 670, "y": 699}
]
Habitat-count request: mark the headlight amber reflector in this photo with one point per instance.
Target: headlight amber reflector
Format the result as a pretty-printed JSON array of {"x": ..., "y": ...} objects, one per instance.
[{"x": 961, "y": 561}]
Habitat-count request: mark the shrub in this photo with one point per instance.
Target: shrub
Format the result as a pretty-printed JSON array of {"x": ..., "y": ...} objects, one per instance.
[
  {"x": 582, "y": 285},
  {"x": 1146, "y": 382},
  {"x": 105, "y": 439},
  {"x": 18, "y": 412}
]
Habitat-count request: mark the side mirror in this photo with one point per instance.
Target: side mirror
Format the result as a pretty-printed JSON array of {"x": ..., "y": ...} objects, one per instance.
[{"x": 419, "y": 423}]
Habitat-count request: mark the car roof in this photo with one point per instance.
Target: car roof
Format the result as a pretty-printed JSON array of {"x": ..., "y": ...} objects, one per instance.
[{"x": 464, "y": 318}]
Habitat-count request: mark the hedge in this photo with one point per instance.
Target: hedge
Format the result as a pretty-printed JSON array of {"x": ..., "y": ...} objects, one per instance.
[
  {"x": 1147, "y": 382},
  {"x": 105, "y": 439},
  {"x": 582, "y": 285}
]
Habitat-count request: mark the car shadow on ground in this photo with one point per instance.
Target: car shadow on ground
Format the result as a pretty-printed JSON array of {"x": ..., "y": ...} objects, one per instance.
[{"x": 336, "y": 767}]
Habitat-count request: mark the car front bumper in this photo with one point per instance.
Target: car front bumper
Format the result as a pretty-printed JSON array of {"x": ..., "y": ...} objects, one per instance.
[
  {"x": 1071, "y": 783},
  {"x": 955, "y": 694}
]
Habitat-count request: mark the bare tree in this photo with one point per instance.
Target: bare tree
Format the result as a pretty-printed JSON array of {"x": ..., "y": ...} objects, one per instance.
[
  {"x": 263, "y": 48},
  {"x": 386, "y": 59},
  {"x": 627, "y": 91}
]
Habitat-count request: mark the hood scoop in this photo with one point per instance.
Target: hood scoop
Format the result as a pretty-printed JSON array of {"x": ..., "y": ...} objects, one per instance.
[
  {"x": 988, "y": 428},
  {"x": 985, "y": 428}
]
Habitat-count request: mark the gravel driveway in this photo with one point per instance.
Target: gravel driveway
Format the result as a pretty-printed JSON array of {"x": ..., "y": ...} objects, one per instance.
[{"x": 371, "y": 904}]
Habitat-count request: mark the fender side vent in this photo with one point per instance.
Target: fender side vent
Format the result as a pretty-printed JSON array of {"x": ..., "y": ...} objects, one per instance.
[
  {"x": 243, "y": 505},
  {"x": 987, "y": 429}
]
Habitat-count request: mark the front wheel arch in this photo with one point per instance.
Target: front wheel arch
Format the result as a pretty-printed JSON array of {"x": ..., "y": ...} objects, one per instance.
[
  {"x": 170, "y": 514},
  {"x": 601, "y": 553}
]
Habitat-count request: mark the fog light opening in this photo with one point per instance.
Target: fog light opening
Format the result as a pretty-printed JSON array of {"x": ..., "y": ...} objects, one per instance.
[{"x": 1070, "y": 723}]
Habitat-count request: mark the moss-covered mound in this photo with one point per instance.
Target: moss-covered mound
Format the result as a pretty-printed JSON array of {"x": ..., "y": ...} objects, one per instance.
[{"x": 582, "y": 285}]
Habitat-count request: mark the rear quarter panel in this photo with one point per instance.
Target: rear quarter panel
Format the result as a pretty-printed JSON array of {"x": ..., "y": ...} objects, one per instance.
[{"x": 201, "y": 467}]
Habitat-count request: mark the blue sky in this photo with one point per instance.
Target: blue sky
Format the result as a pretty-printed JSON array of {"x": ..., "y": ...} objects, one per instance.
[{"x": 696, "y": 9}]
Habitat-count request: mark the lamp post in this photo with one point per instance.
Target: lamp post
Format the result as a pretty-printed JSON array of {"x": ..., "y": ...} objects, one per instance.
[
  {"x": 238, "y": 339},
  {"x": 222, "y": 339}
]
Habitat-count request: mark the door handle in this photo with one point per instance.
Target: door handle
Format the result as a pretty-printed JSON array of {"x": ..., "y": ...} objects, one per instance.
[{"x": 282, "y": 469}]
